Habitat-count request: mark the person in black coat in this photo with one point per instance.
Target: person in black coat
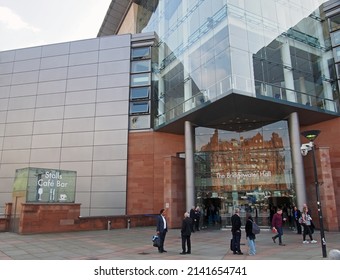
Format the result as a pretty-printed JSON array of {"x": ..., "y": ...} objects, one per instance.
[
  {"x": 186, "y": 233},
  {"x": 297, "y": 215},
  {"x": 250, "y": 235},
  {"x": 236, "y": 232},
  {"x": 161, "y": 230}
]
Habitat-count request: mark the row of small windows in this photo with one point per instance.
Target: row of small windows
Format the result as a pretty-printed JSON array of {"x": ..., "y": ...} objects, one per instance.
[{"x": 140, "y": 84}]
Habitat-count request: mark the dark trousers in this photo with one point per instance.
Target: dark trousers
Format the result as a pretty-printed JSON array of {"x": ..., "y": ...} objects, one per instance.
[
  {"x": 298, "y": 227},
  {"x": 186, "y": 241},
  {"x": 307, "y": 231},
  {"x": 197, "y": 224},
  {"x": 236, "y": 241},
  {"x": 279, "y": 234},
  {"x": 161, "y": 239}
]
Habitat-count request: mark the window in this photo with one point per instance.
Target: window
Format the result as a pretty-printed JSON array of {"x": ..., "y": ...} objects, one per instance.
[
  {"x": 141, "y": 53},
  {"x": 139, "y": 93},
  {"x": 139, "y": 107},
  {"x": 140, "y": 66},
  {"x": 140, "y": 79}
]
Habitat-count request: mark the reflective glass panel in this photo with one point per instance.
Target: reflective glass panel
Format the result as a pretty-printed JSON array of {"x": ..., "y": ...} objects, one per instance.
[
  {"x": 139, "y": 93},
  {"x": 140, "y": 53},
  {"x": 139, "y": 107}
]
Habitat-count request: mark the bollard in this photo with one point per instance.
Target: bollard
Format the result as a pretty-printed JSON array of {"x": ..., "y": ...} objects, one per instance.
[
  {"x": 128, "y": 223},
  {"x": 108, "y": 225}
]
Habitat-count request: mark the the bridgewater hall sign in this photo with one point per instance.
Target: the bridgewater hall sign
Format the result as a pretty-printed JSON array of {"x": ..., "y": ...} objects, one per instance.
[{"x": 46, "y": 185}]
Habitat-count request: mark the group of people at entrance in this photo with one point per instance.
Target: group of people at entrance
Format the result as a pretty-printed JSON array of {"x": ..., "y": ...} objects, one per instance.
[
  {"x": 236, "y": 223},
  {"x": 190, "y": 223},
  {"x": 303, "y": 221}
]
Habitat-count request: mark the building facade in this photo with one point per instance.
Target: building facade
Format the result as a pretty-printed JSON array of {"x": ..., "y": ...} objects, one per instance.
[{"x": 178, "y": 103}]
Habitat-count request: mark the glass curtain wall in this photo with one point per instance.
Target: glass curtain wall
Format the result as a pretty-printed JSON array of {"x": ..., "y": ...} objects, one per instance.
[
  {"x": 250, "y": 170},
  {"x": 209, "y": 48}
]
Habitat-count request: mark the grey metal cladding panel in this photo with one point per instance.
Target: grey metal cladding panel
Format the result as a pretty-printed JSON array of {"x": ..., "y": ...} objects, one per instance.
[
  {"x": 4, "y": 91},
  {"x": 117, "y": 41},
  {"x": 23, "y": 90},
  {"x": 117, "y": 54},
  {"x": 82, "y": 71},
  {"x": 48, "y": 100},
  {"x": 6, "y": 67},
  {"x": 49, "y": 113},
  {"x": 109, "y": 183},
  {"x": 7, "y": 56},
  {"x": 76, "y": 153},
  {"x": 78, "y": 139},
  {"x": 53, "y": 74},
  {"x": 28, "y": 53},
  {"x": 54, "y": 62},
  {"x": 84, "y": 45},
  {"x": 78, "y": 125},
  {"x": 26, "y": 65},
  {"x": 46, "y": 127},
  {"x": 24, "y": 115},
  {"x": 80, "y": 111},
  {"x": 86, "y": 83},
  {"x": 108, "y": 200},
  {"x": 114, "y": 67},
  {"x": 5, "y": 79},
  {"x": 16, "y": 156},
  {"x": 55, "y": 49},
  {"x": 117, "y": 80},
  {"x": 21, "y": 102},
  {"x": 52, "y": 87},
  {"x": 17, "y": 142},
  {"x": 16, "y": 129},
  {"x": 25, "y": 77},
  {"x": 83, "y": 58},
  {"x": 80, "y": 97},
  {"x": 46, "y": 154},
  {"x": 111, "y": 152},
  {"x": 109, "y": 167},
  {"x": 112, "y": 137},
  {"x": 113, "y": 94},
  {"x": 46, "y": 141},
  {"x": 112, "y": 108},
  {"x": 4, "y": 104},
  {"x": 112, "y": 122}
]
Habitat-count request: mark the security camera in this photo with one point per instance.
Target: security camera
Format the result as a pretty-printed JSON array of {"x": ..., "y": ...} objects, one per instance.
[{"x": 305, "y": 148}]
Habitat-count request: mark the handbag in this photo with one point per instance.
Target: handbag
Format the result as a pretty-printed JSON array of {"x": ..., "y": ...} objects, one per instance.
[
  {"x": 155, "y": 241},
  {"x": 255, "y": 228}
]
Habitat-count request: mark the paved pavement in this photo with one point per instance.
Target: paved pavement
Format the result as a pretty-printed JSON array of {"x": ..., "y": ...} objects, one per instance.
[{"x": 136, "y": 244}]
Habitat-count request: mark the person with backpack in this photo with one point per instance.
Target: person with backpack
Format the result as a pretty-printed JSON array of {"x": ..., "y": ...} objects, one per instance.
[{"x": 250, "y": 235}]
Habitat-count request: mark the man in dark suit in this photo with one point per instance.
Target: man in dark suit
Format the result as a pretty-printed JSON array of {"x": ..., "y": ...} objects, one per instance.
[
  {"x": 162, "y": 229},
  {"x": 236, "y": 232},
  {"x": 186, "y": 233}
]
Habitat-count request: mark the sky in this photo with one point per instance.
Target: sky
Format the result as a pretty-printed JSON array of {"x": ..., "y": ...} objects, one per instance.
[{"x": 27, "y": 23}]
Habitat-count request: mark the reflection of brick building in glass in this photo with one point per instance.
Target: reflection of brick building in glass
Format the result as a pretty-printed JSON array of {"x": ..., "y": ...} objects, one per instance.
[{"x": 246, "y": 164}]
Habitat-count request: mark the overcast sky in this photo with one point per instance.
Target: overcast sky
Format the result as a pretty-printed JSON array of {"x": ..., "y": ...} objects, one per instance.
[{"x": 26, "y": 23}]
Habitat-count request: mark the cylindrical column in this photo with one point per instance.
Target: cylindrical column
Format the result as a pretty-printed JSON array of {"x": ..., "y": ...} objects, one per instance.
[
  {"x": 189, "y": 165},
  {"x": 299, "y": 174}
]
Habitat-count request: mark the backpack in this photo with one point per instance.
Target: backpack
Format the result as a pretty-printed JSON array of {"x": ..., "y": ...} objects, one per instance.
[{"x": 255, "y": 228}]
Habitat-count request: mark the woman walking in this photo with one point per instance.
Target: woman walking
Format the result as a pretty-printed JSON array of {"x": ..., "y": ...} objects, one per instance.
[{"x": 306, "y": 222}]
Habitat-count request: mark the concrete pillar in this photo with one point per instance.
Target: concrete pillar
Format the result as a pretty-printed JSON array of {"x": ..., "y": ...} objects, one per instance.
[
  {"x": 189, "y": 165},
  {"x": 287, "y": 72},
  {"x": 297, "y": 161}
]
